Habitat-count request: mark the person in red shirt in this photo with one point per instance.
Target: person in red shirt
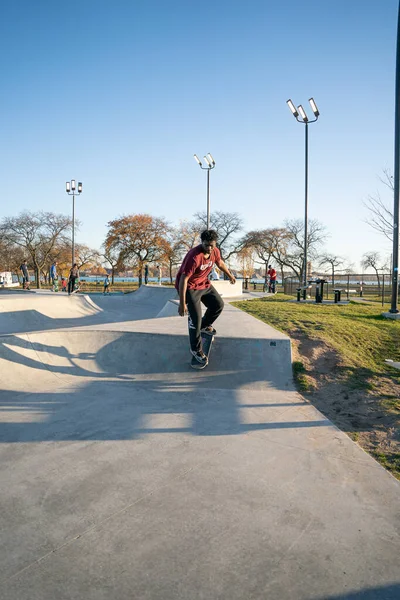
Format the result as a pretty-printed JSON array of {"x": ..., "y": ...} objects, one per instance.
[
  {"x": 194, "y": 288},
  {"x": 272, "y": 279}
]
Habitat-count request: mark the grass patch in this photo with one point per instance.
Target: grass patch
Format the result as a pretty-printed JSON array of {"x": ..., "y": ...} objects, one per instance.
[
  {"x": 363, "y": 338},
  {"x": 340, "y": 352},
  {"x": 300, "y": 377}
]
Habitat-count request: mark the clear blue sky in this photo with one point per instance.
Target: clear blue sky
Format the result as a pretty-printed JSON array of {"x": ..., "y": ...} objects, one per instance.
[{"x": 120, "y": 95}]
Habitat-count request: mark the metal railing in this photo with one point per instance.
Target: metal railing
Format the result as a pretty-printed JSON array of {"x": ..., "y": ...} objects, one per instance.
[{"x": 350, "y": 285}]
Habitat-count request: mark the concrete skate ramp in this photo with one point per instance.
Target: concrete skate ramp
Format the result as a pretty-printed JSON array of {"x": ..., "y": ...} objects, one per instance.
[
  {"x": 148, "y": 300},
  {"x": 126, "y": 474},
  {"x": 32, "y": 312},
  {"x": 36, "y": 312},
  {"x": 28, "y": 360}
]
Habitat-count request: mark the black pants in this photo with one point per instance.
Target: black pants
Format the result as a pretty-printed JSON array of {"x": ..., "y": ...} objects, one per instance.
[
  {"x": 214, "y": 303},
  {"x": 71, "y": 284}
]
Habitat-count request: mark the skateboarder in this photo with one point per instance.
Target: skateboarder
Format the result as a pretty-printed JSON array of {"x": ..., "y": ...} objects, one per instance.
[{"x": 194, "y": 288}]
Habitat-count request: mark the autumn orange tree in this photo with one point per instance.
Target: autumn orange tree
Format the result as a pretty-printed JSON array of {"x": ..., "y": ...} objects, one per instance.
[
  {"x": 245, "y": 259},
  {"x": 177, "y": 246},
  {"x": 138, "y": 238}
]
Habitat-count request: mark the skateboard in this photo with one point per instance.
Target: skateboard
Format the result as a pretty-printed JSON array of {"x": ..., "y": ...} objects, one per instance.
[{"x": 206, "y": 341}]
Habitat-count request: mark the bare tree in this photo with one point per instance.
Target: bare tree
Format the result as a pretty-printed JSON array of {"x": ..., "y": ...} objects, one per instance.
[
  {"x": 266, "y": 244},
  {"x": 189, "y": 233},
  {"x": 227, "y": 225},
  {"x": 37, "y": 234},
  {"x": 373, "y": 260},
  {"x": 112, "y": 255},
  {"x": 293, "y": 256},
  {"x": 85, "y": 256},
  {"x": 332, "y": 260},
  {"x": 11, "y": 257},
  {"x": 381, "y": 216}
]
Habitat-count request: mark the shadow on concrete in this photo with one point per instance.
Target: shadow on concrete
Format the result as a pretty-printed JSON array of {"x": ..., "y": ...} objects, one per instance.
[
  {"x": 114, "y": 386},
  {"x": 387, "y": 592}
]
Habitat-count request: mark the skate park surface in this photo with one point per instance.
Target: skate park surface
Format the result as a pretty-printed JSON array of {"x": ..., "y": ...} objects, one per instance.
[{"x": 125, "y": 474}]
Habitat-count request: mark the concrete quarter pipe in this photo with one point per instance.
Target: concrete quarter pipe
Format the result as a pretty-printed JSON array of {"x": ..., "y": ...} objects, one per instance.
[{"x": 125, "y": 474}]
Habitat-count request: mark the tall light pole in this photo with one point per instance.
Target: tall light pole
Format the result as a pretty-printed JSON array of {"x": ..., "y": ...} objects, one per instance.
[
  {"x": 210, "y": 165},
  {"x": 70, "y": 188},
  {"x": 395, "y": 264},
  {"x": 305, "y": 121}
]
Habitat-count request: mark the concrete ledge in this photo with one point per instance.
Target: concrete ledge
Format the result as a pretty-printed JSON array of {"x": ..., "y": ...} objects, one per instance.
[
  {"x": 226, "y": 289},
  {"x": 389, "y": 315},
  {"x": 392, "y": 363}
]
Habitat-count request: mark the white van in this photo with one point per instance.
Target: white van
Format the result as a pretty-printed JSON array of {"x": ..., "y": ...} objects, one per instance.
[{"x": 8, "y": 279}]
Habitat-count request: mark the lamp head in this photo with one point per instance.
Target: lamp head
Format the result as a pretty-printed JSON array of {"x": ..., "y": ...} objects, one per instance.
[
  {"x": 314, "y": 107},
  {"x": 196, "y": 158},
  {"x": 303, "y": 113},
  {"x": 292, "y": 108}
]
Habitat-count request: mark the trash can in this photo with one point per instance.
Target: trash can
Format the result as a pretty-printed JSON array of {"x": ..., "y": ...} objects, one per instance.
[
  {"x": 337, "y": 295},
  {"x": 298, "y": 294}
]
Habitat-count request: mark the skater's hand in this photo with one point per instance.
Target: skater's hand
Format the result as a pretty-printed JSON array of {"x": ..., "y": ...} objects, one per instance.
[
  {"x": 232, "y": 279},
  {"x": 182, "y": 310}
]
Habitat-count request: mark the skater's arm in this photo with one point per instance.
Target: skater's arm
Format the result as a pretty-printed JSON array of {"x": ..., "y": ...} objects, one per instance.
[
  {"x": 182, "y": 294},
  {"x": 222, "y": 266}
]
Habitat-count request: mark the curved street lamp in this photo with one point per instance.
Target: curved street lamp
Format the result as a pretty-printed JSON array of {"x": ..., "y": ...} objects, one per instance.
[
  {"x": 210, "y": 165},
  {"x": 301, "y": 117},
  {"x": 70, "y": 188}
]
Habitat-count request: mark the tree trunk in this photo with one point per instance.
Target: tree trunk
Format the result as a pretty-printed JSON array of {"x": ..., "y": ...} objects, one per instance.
[
  {"x": 112, "y": 275},
  {"x": 379, "y": 281},
  {"x": 265, "y": 287},
  {"x": 37, "y": 277},
  {"x": 140, "y": 274},
  {"x": 170, "y": 272},
  {"x": 333, "y": 276}
]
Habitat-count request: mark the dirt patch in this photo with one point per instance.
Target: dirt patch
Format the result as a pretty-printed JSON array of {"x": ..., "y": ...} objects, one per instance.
[{"x": 360, "y": 403}]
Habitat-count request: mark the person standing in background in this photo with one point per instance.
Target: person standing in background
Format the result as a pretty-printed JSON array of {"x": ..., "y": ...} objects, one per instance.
[
  {"x": 25, "y": 275},
  {"x": 53, "y": 275},
  {"x": 272, "y": 279},
  {"x": 146, "y": 274},
  {"x": 73, "y": 276},
  {"x": 106, "y": 289}
]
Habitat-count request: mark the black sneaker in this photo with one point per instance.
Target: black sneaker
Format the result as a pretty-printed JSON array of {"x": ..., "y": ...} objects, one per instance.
[
  {"x": 210, "y": 330},
  {"x": 200, "y": 357}
]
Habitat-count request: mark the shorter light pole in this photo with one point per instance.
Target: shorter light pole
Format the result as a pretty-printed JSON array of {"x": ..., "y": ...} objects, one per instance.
[
  {"x": 305, "y": 120},
  {"x": 70, "y": 188},
  {"x": 210, "y": 165}
]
